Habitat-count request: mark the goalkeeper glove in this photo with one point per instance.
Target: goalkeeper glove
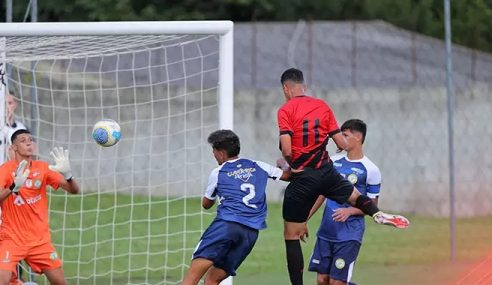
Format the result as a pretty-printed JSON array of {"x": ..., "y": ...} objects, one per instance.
[
  {"x": 20, "y": 177},
  {"x": 62, "y": 163}
]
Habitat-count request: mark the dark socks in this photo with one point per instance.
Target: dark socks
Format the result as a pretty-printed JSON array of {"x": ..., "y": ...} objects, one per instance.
[
  {"x": 295, "y": 261},
  {"x": 366, "y": 205}
]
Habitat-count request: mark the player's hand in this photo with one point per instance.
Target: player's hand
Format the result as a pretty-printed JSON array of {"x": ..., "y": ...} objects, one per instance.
[
  {"x": 341, "y": 214},
  {"x": 20, "y": 176},
  {"x": 62, "y": 162},
  {"x": 304, "y": 236},
  {"x": 282, "y": 164}
]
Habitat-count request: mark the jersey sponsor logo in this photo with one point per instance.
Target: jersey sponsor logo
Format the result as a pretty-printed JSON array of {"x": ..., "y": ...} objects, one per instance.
[
  {"x": 352, "y": 178},
  {"x": 340, "y": 263},
  {"x": 242, "y": 174},
  {"x": 34, "y": 199},
  {"x": 19, "y": 201},
  {"x": 357, "y": 170}
]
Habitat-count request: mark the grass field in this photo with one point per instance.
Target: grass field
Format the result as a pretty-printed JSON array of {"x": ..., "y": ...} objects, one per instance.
[{"x": 117, "y": 237}]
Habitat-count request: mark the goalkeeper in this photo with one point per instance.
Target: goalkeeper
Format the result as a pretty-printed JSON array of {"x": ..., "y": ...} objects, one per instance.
[{"x": 25, "y": 233}]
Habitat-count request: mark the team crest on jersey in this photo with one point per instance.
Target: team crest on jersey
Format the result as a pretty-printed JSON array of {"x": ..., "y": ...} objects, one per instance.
[
  {"x": 29, "y": 183},
  {"x": 37, "y": 184},
  {"x": 53, "y": 256},
  {"x": 340, "y": 263},
  {"x": 243, "y": 173},
  {"x": 352, "y": 178}
]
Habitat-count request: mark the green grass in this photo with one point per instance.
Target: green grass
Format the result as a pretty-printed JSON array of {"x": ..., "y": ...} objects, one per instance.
[{"x": 117, "y": 237}]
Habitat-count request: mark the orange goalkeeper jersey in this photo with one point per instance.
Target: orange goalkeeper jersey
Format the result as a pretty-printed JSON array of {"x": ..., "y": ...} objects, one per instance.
[{"x": 25, "y": 216}]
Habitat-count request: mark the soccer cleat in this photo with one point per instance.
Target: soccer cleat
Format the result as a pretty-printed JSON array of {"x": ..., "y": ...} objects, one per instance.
[{"x": 396, "y": 221}]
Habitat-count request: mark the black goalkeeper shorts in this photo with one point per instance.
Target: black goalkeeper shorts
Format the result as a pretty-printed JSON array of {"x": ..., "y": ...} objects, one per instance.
[{"x": 305, "y": 187}]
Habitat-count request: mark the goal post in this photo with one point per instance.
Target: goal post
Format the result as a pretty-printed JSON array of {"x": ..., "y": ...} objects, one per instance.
[{"x": 168, "y": 85}]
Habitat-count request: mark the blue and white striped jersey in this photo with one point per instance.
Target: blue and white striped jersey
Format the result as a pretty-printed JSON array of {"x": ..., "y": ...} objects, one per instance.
[{"x": 239, "y": 186}]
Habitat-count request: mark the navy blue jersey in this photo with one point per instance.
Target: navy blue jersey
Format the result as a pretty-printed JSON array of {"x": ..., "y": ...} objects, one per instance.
[
  {"x": 366, "y": 177},
  {"x": 239, "y": 186}
]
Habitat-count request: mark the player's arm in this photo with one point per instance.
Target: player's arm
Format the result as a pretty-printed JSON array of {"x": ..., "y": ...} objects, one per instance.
[
  {"x": 340, "y": 141},
  {"x": 286, "y": 147},
  {"x": 62, "y": 166},
  {"x": 70, "y": 185},
  {"x": 285, "y": 136},
  {"x": 321, "y": 199},
  {"x": 342, "y": 214},
  {"x": 275, "y": 173},
  {"x": 210, "y": 196},
  {"x": 14, "y": 181}
]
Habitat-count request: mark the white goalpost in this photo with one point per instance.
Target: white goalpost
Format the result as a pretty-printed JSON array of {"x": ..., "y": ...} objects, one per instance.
[{"x": 168, "y": 85}]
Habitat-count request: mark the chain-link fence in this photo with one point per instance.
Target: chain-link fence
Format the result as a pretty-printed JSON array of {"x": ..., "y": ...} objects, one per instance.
[{"x": 394, "y": 80}]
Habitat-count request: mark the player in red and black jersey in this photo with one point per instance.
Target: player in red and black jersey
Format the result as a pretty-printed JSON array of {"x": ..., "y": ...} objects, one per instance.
[{"x": 306, "y": 124}]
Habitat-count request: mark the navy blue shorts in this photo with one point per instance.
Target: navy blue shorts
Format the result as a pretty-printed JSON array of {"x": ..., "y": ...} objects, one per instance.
[
  {"x": 226, "y": 244},
  {"x": 336, "y": 259}
]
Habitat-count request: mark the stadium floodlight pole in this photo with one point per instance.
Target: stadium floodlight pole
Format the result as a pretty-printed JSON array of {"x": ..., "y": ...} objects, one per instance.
[{"x": 450, "y": 97}]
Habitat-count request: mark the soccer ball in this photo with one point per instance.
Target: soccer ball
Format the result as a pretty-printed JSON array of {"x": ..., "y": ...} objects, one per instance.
[{"x": 106, "y": 132}]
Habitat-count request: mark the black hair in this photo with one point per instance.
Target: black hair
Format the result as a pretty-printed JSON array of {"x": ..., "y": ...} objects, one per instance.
[
  {"x": 355, "y": 125},
  {"x": 17, "y": 133},
  {"x": 292, "y": 74},
  {"x": 225, "y": 140}
]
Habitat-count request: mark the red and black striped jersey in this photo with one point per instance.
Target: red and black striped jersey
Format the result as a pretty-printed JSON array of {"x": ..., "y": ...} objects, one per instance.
[{"x": 310, "y": 122}]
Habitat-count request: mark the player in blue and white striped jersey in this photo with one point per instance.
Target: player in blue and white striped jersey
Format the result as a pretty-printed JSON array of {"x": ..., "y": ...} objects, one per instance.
[
  {"x": 340, "y": 234},
  {"x": 238, "y": 185}
]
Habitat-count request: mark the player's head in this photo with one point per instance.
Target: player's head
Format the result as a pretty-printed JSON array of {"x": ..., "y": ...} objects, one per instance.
[
  {"x": 292, "y": 81},
  {"x": 11, "y": 102},
  {"x": 22, "y": 143},
  {"x": 225, "y": 145},
  {"x": 354, "y": 131}
]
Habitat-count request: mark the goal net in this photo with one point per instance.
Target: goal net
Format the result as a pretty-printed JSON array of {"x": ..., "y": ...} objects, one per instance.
[{"x": 168, "y": 85}]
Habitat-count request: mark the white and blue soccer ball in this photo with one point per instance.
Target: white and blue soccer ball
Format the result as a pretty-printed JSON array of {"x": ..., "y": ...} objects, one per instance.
[{"x": 106, "y": 132}]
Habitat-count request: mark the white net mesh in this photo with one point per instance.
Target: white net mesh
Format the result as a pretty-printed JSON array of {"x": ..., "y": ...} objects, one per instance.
[{"x": 138, "y": 218}]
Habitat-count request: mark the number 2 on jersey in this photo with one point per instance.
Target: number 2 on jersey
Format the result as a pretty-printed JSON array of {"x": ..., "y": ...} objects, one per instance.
[{"x": 250, "y": 189}]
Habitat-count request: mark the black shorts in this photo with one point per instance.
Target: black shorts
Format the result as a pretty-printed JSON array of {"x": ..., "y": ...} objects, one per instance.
[{"x": 305, "y": 187}]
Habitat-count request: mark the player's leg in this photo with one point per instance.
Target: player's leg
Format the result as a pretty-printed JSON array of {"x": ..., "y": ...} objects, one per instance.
[
  {"x": 344, "y": 256},
  {"x": 215, "y": 276},
  {"x": 300, "y": 196},
  {"x": 198, "y": 268},
  {"x": 321, "y": 261},
  {"x": 56, "y": 276},
  {"x": 242, "y": 241},
  {"x": 343, "y": 191},
  {"x": 44, "y": 259},
  {"x": 10, "y": 255}
]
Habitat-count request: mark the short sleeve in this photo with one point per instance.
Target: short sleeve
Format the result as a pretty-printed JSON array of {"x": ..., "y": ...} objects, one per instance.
[
  {"x": 284, "y": 124},
  {"x": 211, "y": 191},
  {"x": 6, "y": 178},
  {"x": 273, "y": 172},
  {"x": 331, "y": 123},
  {"x": 373, "y": 182},
  {"x": 53, "y": 178}
]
